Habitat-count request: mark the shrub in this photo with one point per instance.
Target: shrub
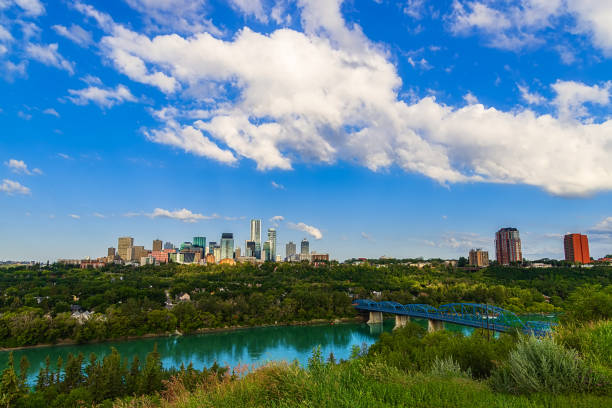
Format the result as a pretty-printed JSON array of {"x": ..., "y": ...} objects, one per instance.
[
  {"x": 543, "y": 365},
  {"x": 448, "y": 368}
]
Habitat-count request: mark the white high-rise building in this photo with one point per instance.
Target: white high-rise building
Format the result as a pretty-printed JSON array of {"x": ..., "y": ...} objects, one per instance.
[
  {"x": 227, "y": 245},
  {"x": 272, "y": 240},
  {"x": 256, "y": 237}
]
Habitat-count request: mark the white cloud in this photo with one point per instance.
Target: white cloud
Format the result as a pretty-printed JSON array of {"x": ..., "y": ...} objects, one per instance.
[
  {"x": 602, "y": 227},
  {"x": 11, "y": 187},
  {"x": 277, "y": 185},
  {"x": 251, "y": 8},
  {"x": 191, "y": 140},
  {"x": 74, "y": 33},
  {"x": 48, "y": 55},
  {"x": 414, "y": 8},
  {"x": 31, "y": 7},
  {"x": 330, "y": 94},
  {"x": 277, "y": 218},
  {"x": 103, "y": 97},
  {"x": 594, "y": 18},
  {"x": 183, "y": 16},
  {"x": 470, "y": 98},
  {"x": 309, "y": 229},
  {"x": 531, "y": 98},
  {"x": 74, "y": 216},
  {"x": 20, "y": 167},
  {"x": 64, "y": 156},
  {"x": 184, "y": 215},
  {"x": 464, "y": 241},
  {"x": 571, "y": 97},
  {"x": 23, "y": 115},
  {"x": 98, "y": 215},
  {"x": 366, "y": 236},
  {"x": 51, "y": 111}
]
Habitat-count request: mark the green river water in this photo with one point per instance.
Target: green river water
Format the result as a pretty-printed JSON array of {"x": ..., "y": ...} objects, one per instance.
[{"x": 251, "y": 347}]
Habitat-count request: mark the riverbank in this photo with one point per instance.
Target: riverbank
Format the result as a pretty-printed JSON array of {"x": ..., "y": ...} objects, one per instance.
[{"x": 70, "y": 342}]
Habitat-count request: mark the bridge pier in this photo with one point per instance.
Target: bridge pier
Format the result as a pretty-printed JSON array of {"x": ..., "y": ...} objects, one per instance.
[
  {"x": 400, "y": 321},
  {"x": 375, "y": 317},
  {"x": 434, "y": 325}
]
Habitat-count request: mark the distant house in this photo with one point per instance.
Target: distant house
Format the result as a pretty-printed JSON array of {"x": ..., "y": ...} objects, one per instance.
[{"x": 185, "y": 297}]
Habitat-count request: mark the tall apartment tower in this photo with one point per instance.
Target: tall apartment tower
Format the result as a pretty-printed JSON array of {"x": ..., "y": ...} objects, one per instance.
[
  {"x": 124, "y": 248},
  {"x": 508, "y": 246},
  {"x": 227, "y": 246},
  {"x": 290, "y": 250},
  {"x": 272, "y": 240},
  {"x": 305, "y": 247},
  {"x": 256, "y": 237},
  {"x": 199, "y": 242},
  {"x": 478, "y": 257},
  {"x": 157, "y": 245},
  {"x": 577, "y": 248}
]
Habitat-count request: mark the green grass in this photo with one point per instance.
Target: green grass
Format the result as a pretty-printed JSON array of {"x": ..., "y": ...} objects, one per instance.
[{"x": 358, "y": 384}]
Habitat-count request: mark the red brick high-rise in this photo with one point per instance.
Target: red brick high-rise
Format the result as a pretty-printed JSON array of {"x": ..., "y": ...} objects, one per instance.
[
  {"x": 508, "y": 246},
  {"x": 577, "y": 248}
]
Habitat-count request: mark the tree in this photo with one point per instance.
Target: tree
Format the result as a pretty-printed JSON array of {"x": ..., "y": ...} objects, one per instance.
[
  {"x": 11, "y": 387},
  {"x": 462, "y": 262}
]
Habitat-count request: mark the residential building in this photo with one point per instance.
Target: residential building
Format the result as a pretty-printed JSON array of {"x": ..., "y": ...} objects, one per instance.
[
  {"x": 199, "y": 242},
  {"x": 168, "y": 245},
  {"x": 508, "y": 246},
  {"x": 139, "y": 252},
  {"x": 290, "y": 250},
  {"x": 265, "y": 252},
  {"x": 577, "y": 248},
  {"x": 124, "y": 248},
  {"x": 478, "y": 257},
  {"x": 157, "y": 245},
  {"x": 315, "y": 258},
  {"x": 227, "y": 246},
  {"x": 305, "y": 247},
  {"x": 210, "y": 259},
  {"x": 272, "y": 240},
  {"x": 217, "y": 252},
  {"x": 111, "y": 253}
]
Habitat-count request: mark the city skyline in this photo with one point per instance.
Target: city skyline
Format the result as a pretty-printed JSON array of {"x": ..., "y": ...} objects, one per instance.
[{"x": 442, "y": 129}]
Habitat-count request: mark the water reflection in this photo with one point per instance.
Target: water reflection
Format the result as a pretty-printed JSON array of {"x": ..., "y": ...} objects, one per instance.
[{"x": 249, "y": 346}]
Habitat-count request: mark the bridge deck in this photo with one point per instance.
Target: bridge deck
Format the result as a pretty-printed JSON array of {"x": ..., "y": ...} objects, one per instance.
[{"x": 465, "y": 314}]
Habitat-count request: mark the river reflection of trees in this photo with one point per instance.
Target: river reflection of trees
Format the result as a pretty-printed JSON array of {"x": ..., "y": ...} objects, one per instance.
[{"x": 240, "y": 346}]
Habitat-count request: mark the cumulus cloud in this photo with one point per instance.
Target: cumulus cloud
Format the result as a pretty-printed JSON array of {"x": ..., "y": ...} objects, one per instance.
[
  {"x": 513, "y": 25},
  {"x": 20, "y": 167},
  {"x": 184, "y": 215},
  {"x": 571, "y": 97},
  {"x": 74, "y": 33},
  {"x": 11, "y": 187},
  {"x": 330, "y": 94},
  {"x": 277, "y": 218},
  {"x": 103, "y": 97},
  {"x": 49, "y": 55},
  {"x": 309, "y": 229}
]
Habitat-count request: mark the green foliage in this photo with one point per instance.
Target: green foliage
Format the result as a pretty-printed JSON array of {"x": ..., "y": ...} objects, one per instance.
[
  {"x": 589, "y": 303},
  {"x": 11, "y": 386},
  {"x": 412, "y": 348},
  {"x": 448, "y": 368},
  {"x": 543, "y": 365}
]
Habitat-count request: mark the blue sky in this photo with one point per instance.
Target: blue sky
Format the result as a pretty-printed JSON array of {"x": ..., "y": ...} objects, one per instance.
[{"x": 372, "y": 127}]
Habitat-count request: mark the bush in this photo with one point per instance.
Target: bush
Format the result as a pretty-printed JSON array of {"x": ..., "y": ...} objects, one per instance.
[
  {"x": 448, "y": 368},
  {"x": 543, "y": 365},
  {"x": 592, "y": 340}
]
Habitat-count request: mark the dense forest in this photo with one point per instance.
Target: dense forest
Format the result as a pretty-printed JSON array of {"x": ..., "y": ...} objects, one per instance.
[{"x": 48, "y": 304}]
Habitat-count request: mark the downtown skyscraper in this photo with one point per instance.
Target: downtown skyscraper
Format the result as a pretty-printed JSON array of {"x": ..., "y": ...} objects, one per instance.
[
  {"x": 272, "y": 241},
  {"x": 256, "y": 237}
]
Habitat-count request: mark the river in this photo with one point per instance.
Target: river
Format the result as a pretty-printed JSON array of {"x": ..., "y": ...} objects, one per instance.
[{"x": 251, "y": 347}]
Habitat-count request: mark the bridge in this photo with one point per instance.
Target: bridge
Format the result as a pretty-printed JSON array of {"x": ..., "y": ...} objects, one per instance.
[{"x": 466, "y": 314}]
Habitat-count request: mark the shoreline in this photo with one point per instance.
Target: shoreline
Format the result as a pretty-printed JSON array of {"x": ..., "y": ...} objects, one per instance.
[{"x": 207, "y": 330}]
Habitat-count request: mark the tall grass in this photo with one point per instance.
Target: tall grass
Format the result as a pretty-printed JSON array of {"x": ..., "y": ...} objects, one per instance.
[{"x": 543, "y": 365}]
